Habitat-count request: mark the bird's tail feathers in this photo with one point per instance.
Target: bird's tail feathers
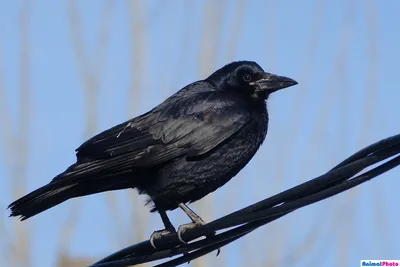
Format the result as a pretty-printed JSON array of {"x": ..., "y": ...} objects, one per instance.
[
  {"x": 41, "y": 199},
  {"x": 63, "y": 187}
]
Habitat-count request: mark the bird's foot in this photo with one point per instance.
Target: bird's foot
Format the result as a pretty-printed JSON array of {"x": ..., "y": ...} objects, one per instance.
[
  {"x": 211, "y": 235},
  {"x": 184, "y": 227},
  {"x": 159, "y": 235},
  {"x": 199, "y": 222}
]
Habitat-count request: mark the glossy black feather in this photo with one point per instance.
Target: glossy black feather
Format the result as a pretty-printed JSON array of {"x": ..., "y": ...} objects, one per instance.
[
  {"x": 191, "y": 125},
  {"x": 180, "y": 151}
]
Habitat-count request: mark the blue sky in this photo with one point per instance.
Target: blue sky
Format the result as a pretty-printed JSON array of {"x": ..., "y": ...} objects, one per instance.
[{"x": 344, "y": 54}]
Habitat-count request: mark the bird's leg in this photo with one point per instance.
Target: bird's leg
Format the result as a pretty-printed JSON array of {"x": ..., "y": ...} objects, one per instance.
[
  {"x": 191, "y": 214},
  {"x": 169, "y": 228},
  {"x": 196, "y": 222}
]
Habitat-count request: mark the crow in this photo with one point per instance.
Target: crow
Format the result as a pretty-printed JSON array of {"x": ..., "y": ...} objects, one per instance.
[{"x": 180, "y": 151}]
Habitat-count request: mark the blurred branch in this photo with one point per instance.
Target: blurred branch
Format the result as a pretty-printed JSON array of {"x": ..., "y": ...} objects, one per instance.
[
  {"x": 213, "y": 16},
  {"x": 90, "y": 75},
  {"x": 271, "y": 43},
  {"x": 76, "y": 206},
  {"x": 21, "y": 144},
  {"x": 372, "y": 71},
  {"x": 320, "y": 255},
  {"x": 100, "y": 55},
  {"x": 8, "y": 139},
  {"x": 371, "y": 96},
  {"x": 306, "y": 73},
  {"x": 64, "y": 260},
  {"x": 321, "y": 125},
  {"x": 185, "y": 44},
  {"x": 6, "y": 134},
  {"x": 344, "y": 236},
  {"x": 369, "y": 110},
  {"x": 382, "y": 223},
  {"x": 298, "y": 107},
  {"x": 139, "y": 52},
  {"x": 6, "y": 246},
  {"x": 136, "y": 10},
  {"x": 103, "y": 39},
  {"x": 236, "y": 28},
  {"x": 309, "y": 243},
  {"x": 6, "y": 127},
  {"x": 91, "y": 85}
]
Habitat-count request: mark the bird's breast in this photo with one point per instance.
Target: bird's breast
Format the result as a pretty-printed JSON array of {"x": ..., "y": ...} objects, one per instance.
[
  {"x": 242, "y": 146},
  {"x": 218, "y": 166},
  {"x": 189, "y": 179}
]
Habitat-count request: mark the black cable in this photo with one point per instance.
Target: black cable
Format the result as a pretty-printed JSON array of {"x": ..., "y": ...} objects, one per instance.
[{"x": 246, "y": 220}]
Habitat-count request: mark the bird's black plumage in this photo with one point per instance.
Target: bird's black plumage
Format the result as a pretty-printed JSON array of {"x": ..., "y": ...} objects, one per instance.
[{"x": 180, "y": 151}]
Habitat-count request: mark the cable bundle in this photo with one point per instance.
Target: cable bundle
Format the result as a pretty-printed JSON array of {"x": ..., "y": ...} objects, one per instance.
[{"x": 339, "y": 179}]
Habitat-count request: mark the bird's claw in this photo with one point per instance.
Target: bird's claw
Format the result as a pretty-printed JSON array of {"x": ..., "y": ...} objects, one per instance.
[
  {"x": 158, "y": 235},
  {"x": 211, "y": 235},
  {"x": 183, "y": 228}
]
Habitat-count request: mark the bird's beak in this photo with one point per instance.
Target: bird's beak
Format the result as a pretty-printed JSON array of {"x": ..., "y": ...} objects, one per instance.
[{"x": 271, "y": 83}]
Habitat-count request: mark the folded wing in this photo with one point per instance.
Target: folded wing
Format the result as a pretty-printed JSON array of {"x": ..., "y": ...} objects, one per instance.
[{"x": 192, "y": 126}]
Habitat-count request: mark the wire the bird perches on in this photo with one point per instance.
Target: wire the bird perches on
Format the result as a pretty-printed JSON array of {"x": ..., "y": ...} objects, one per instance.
[{"x": 339, "y": 179}]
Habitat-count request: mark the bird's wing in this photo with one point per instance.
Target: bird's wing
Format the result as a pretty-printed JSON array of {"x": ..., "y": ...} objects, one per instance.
[{"x": 189, "y": 126}]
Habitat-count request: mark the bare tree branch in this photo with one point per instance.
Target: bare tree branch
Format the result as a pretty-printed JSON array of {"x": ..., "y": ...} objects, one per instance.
[
  {"x": 236, "y": 28},
  {"x": 139, "y": 43},
  {"x": 139, "y": 52},
  {"x": 368, "y": 112},
  {"x": 7, "y": 139},
  {"x": 21, "y": 144},
  {"x": 213, "y": 16},
  {"x": 340, "y": 68},
  {"x": 76, "y": 206},
  {"x": 282, "y": 168},
  {"x": 90, "y": 75},
  {"x": 6, "y": 127},
  {"x": 309, "y": 243},
  {"x": 186, "y": 43},
  {"x": 271, "y": 43},
  {"x": 298, "y": 107}
]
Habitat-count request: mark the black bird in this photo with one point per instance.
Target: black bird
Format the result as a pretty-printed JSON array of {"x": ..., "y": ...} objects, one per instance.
[{"x": 185, "y": 148}]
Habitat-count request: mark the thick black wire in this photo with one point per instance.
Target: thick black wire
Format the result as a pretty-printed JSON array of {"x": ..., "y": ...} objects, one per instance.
[
  {"x": 263, "y": 212},
  {"x": 311, "y": 184},
  {"x": 214, "y": 225},
  {"x": 231, "y": 235}
]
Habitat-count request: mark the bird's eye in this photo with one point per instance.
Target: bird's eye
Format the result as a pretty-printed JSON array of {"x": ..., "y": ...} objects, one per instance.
[{"x": 247, "y": 77}]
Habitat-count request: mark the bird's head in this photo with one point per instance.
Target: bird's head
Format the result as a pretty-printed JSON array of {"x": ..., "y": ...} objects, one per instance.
[{"x": 247, "y": 78}]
